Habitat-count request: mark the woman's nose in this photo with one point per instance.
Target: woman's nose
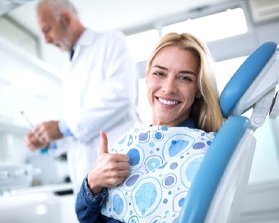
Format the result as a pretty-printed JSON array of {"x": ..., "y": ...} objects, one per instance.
[{"x": 169, "y": 86}]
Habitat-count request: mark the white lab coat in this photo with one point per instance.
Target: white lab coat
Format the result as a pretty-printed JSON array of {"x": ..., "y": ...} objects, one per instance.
[{"x": 99, "y": 93}]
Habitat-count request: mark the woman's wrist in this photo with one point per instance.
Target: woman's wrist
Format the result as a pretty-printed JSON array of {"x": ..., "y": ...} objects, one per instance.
[{"x": 95, "y": 189}]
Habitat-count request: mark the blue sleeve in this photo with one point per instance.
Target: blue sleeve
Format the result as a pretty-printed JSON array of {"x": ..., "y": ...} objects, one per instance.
[
  {"x": 88, "y": 206},
  {"x": 64, "y": 129},
  {"x": 51, "y": 145}
]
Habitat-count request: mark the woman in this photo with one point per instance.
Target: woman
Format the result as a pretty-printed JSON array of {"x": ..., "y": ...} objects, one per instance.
[{"x": 146, "y": 175}]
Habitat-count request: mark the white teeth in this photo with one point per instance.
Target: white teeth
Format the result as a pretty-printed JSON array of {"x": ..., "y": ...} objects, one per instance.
[{"x": 167, "y": 102}]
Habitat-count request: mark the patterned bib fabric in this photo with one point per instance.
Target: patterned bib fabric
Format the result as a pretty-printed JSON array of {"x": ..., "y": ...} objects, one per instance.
[{"x": 164, "y": 161}]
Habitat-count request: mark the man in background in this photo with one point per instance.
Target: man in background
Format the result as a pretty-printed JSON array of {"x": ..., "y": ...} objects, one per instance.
[{"x": 99, "y": 89}]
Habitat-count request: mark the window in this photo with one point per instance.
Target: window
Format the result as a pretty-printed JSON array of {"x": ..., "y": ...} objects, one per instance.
[
  {"x": 225, "y": 69},
  {"x": 229, "y": 23},
  {"x": 217, "y": 26},
  {"x": 141, "y": 44}
]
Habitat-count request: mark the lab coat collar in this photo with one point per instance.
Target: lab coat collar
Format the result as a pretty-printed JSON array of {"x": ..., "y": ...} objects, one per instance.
[{"x": 84, "y": 40}]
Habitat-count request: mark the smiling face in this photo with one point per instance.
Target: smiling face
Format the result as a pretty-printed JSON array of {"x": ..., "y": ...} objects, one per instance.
[{"x": 172, "y": 85}]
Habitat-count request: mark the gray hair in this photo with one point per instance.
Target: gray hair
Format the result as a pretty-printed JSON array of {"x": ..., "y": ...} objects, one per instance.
[{"x": 56, "y": 6}]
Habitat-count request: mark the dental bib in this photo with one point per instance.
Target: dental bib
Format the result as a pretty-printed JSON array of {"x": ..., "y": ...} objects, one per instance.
[{"x": 164, "y": 161}]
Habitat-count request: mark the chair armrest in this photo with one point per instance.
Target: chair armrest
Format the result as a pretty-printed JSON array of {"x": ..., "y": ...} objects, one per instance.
[{"x": 212, "y": 169}]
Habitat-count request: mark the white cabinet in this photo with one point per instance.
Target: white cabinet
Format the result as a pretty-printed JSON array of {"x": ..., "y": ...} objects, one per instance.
[
  {"x": 30, "y": 208},
  {"x": 42, "y": 204}
]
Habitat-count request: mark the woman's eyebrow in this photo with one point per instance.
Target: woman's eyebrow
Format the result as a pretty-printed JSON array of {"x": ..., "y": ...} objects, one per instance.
[
  {"x": 160, "y": 67},
  {"x": 182, "y": 71},
  {"x": 187, "y": 72}
]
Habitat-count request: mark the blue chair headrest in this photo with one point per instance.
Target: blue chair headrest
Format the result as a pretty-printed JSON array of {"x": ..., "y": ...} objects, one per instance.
[{"x": 244, "y": 77}]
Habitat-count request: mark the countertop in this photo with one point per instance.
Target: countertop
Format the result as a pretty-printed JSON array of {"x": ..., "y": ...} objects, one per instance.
[{"x": 58, "y": 189}]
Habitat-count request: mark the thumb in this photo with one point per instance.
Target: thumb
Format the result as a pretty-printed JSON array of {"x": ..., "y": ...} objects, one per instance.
[{"x": 103, "y": 143}]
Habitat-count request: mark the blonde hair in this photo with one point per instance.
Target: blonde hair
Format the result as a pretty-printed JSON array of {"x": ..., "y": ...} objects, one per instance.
[{"x": 206, "y": 110}]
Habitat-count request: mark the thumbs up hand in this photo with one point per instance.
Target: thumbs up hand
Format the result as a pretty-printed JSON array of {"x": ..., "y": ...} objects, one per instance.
[
  {"x": 109, "y": 170},
  {"x": 104, "y": 143}
]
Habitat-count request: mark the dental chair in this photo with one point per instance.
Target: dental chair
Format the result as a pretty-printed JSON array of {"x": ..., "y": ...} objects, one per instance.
[{"x": 217, "y": 191}]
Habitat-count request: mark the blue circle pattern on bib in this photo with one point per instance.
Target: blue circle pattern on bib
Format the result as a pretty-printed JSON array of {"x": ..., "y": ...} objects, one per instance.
[{"x": 163, "y": 163}]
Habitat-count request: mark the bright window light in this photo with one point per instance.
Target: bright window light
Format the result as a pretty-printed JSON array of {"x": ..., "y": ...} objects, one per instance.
[
  {"x": 141, "y": 44},
  {"x": 217, "y": 26},
  {"x": 225, "y": 69}
]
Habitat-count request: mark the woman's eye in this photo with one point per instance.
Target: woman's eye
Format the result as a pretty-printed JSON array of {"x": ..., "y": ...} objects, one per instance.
[
  {"x": 158, "y": 73},
  {"x": 186, "y": 78}
]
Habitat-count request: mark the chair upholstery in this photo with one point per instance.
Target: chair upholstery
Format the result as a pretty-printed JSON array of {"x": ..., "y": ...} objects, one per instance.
[{"x": 217, "y": 192}]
